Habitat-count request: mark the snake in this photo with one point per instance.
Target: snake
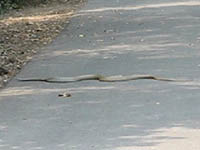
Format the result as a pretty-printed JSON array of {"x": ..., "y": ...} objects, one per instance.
[{"x": 98, "y": 77}]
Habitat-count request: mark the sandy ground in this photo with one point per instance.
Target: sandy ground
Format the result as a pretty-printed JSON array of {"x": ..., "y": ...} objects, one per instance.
[{"x": 24, "y": 32}]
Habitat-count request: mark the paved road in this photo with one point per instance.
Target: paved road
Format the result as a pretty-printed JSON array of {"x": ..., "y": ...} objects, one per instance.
[{"x": 111, "y": 38}]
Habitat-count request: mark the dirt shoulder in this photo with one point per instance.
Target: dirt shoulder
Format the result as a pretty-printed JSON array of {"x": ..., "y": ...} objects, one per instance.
[{"x": 24, "y": 32}]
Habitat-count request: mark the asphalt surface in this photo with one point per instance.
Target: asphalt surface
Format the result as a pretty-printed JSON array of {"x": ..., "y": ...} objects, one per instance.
[{"x": 115, "y": 37}]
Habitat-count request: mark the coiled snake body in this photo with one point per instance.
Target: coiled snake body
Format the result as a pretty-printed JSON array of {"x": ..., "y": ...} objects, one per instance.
[{"x": 101, "y": 78}]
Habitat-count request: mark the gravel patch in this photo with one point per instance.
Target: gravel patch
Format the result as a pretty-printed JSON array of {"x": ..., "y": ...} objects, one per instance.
[{"x": 24, "y": 32}]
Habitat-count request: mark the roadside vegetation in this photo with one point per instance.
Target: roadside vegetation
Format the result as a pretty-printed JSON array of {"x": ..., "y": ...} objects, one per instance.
[{"x": 6, "y": 5}]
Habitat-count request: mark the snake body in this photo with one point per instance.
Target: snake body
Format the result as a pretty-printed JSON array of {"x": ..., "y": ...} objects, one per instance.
[{"x": 101, "y": 78}]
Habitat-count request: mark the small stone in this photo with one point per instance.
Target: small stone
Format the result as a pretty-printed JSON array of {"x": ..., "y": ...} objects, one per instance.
[
  {"x": 11, "y": 60},
  {"x": 29, "y": 23},
  {"x": 3, "y": 71},
  {"x": 39, "y": 29},
  {"x": 157, "y": 103},
  {"x": 81, "y": 35},
  {"x": 64, "y": 95},
  {"x": 18, "y": 67}
]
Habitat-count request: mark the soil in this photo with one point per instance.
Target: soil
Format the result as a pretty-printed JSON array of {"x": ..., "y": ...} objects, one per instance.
[{"x": 24, "y": 32}]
